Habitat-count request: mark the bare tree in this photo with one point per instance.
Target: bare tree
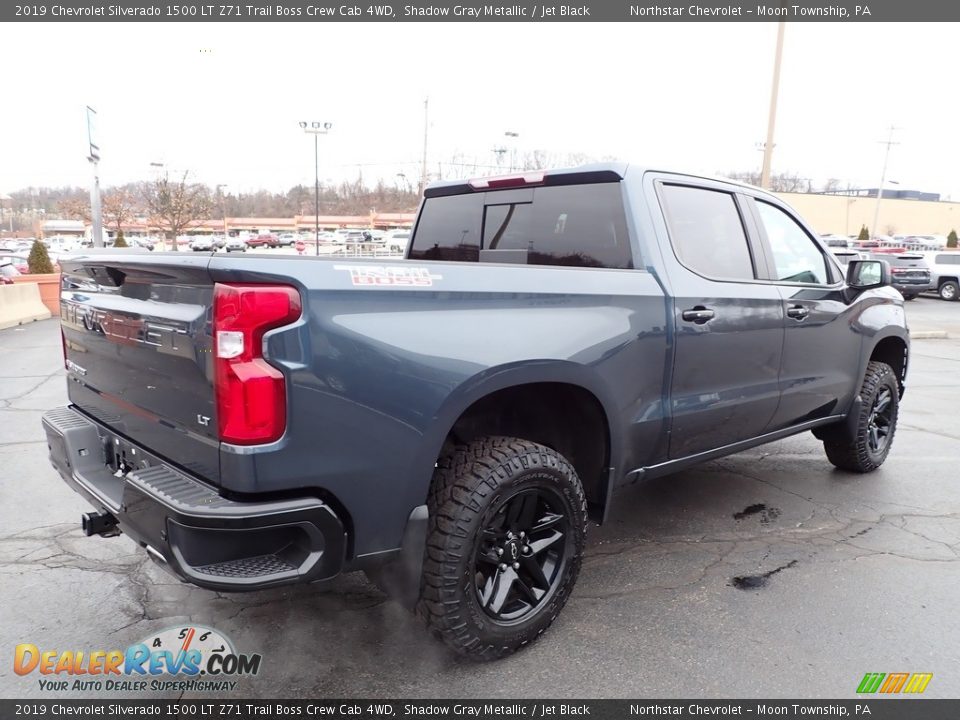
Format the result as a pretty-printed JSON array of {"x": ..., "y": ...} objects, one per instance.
[
  {"x": 175, "y": 206},
  {"x": 543, "y": 159},
  {"x": 75, "y": 209},
  {"x": 832, "y": 185},
  {"x": 781, "y": 182},
  {"x": 748, "y": 177},
  {"x": 119, "y": 206}
]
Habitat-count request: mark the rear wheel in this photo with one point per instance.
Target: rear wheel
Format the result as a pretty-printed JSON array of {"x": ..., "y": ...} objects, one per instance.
[
  {"x": 948, "y": 290},
  {"x": 507, "y": 529},
  {"x": 861, "y": 444}
]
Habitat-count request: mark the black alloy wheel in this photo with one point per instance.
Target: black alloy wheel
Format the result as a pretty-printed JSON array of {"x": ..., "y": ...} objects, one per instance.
[
  {"x": 880, "y": 420},
  {"x": 522, "y": 554}
]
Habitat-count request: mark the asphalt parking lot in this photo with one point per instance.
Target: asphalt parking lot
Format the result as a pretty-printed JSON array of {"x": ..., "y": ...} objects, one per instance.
[{"x": 767, "y": 574}]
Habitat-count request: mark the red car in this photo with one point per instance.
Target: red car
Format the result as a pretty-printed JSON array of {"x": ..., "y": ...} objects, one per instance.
[
  {"x": 261, "y": 240},
  {"x": 18, "y": 261}
]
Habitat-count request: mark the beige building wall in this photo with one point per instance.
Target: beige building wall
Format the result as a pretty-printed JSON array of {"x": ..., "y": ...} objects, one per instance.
[{"x": 844, "y": 215}]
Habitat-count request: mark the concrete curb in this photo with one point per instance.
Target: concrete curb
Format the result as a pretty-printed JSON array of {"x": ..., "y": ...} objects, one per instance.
[{"x": 929, "y": 335}]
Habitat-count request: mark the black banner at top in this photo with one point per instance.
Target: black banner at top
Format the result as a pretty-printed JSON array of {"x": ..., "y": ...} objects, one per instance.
[{"x": 473, "y": 11}]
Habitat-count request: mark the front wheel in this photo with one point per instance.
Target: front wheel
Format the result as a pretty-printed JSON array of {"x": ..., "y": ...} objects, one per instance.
[
  {"x": 948, "y": 290},
  {"x": 507, "y": 528},
  {"x": 862, "y": 443}
]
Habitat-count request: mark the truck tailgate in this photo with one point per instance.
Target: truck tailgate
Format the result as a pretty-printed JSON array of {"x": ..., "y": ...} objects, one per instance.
[{"x": 137, "y": 340}]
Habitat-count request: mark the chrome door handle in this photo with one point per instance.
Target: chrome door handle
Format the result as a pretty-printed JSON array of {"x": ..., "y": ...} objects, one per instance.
[{"x": 798, "y": 312}]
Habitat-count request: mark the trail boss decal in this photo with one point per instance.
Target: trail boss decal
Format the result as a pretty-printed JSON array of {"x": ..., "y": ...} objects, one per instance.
[{"x": 393, "y": 276}]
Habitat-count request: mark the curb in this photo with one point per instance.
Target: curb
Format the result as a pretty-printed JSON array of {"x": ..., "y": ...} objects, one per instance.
[{"x": 929, "y": 335}]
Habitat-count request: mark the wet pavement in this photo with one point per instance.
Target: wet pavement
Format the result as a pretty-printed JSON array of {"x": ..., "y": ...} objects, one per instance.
[{"x": 767, "y": 573}]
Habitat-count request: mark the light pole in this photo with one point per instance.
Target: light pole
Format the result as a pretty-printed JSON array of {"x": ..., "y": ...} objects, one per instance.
[
  {"x": 94, "y": 157},
  {"x": 157, "y": 168},
  {"x": 426, "y": 128},
  {"x": 316, "y": 129}
]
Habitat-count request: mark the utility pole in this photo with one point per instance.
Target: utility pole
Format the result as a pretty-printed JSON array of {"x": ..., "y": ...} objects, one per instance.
[
  {"x": 883, "y": 176},
  {"x": 772, "y": 118},
  {"x": 513, "y": 146},
  {"x": 426, "y": 125},
  {"x": 223, "y": 208}
]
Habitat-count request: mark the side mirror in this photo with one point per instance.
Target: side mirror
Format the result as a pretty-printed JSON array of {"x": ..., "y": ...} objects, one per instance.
[{"x": 868, "y": 274}]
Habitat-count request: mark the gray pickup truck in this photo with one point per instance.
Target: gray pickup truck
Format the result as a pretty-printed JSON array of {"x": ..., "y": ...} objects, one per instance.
[{"x": 451, "y": 421}]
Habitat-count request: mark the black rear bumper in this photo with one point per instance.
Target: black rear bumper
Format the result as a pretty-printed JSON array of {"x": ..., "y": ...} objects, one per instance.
[{"x": 197, "y": 534}]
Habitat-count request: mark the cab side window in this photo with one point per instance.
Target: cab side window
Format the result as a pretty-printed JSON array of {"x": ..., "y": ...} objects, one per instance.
[{"x": 795, "y": 255}]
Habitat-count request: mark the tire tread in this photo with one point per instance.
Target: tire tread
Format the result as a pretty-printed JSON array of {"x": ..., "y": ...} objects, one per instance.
[
  {"x": 465, "y": 480},
  {"x": 849, "y": 451}
]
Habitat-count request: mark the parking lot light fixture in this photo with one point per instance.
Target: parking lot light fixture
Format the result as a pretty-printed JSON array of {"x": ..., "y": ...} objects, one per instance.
[{"x": 316, "y": 129}]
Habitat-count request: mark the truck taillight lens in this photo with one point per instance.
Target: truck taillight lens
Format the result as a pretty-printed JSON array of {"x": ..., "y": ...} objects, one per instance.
[{"x": 251, "y": 393}]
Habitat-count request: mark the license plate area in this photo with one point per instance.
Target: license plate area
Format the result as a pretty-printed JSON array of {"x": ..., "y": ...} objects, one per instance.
[{"x": 121, "y": 457}]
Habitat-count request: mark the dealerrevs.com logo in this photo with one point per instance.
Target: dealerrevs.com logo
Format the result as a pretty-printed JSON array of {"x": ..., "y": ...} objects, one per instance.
[{"x": 178, "y": 659}]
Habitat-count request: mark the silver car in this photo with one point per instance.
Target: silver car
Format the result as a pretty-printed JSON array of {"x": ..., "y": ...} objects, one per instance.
[
  {"x": 944, "y": 273},
  {"x": 202, "y": 244},
  {"x": 235, "y": 243}
]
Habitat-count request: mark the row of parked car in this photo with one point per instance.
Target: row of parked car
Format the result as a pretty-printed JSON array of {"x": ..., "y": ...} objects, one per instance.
[
  {"x": 395, "y": 240},
  {"x": 914, "y": 272},
  {"x": 902, "y": 242}
]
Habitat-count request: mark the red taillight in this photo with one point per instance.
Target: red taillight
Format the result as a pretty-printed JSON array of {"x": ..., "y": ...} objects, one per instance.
[
  {"x": 507, "y": 181},
  {"x": 251, "y": 393}
]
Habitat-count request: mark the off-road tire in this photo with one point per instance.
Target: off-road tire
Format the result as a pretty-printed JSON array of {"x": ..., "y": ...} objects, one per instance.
[
  {"x": 848, "y": 445},
  {"x": 470, "y": 482}
]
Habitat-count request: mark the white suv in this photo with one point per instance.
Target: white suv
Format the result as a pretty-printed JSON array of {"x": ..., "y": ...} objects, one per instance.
[
  {"x": 397, "y": 240},
  {"x": 944, "y": 273}
]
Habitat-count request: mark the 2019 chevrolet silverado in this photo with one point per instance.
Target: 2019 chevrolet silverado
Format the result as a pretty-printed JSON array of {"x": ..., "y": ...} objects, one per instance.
[{"x": 450, "y": 421}]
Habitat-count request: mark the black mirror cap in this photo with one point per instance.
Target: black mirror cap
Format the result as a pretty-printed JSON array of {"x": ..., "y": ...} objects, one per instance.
[{"x": 868, "y": 274}]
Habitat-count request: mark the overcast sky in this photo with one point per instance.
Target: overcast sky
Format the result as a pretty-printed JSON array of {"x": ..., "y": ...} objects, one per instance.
[{"x": 224, "y": 100}]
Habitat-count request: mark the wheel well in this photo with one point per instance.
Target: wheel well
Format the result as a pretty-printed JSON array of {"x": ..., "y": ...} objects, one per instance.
[
  {"x": 893, "y": 352},
  {"x": 564, "y": 417},
  {"x": 943, "y": 279}
]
